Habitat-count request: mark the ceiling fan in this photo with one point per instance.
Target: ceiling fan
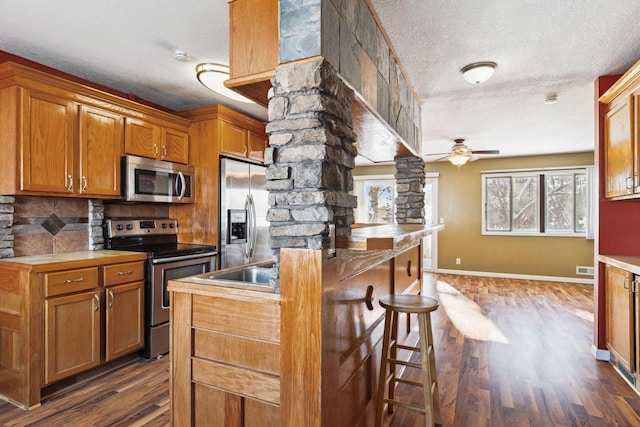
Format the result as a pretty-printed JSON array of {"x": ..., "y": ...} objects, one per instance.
[{"x": 461, "y": 154}]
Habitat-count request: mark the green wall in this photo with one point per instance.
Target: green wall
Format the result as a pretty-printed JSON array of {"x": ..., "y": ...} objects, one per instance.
[{"x": 459, "y": 203}]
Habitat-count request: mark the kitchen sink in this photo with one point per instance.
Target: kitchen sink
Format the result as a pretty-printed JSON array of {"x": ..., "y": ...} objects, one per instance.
[{"x": 255, "y": 277}]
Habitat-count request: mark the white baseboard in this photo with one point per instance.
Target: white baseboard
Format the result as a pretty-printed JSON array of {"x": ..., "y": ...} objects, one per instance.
[
  {"x": 600, "y": 354},
  {"x": 517, "y": 276}
]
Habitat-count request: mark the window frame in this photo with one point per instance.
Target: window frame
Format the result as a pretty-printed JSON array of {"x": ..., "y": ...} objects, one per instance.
[{"x": 542, "y": 205}]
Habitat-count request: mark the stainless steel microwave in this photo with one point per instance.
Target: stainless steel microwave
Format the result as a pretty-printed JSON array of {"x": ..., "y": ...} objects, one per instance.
[{"x": 149, "y": 180}]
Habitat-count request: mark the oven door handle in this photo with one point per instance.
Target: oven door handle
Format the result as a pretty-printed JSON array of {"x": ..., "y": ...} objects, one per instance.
[{"x": 182, "y": 257}]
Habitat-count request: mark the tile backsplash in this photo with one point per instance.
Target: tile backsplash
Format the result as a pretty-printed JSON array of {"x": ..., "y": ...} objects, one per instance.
[{"x": 44, "y": 225}]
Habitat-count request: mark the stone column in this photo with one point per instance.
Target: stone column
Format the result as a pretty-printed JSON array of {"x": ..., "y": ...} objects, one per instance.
[
  {"x": 96, "y": 218},
  {"x": 6, "y": 222},
  {"x": 311, "y": 156},
  {"x": 410, "y": 187}
]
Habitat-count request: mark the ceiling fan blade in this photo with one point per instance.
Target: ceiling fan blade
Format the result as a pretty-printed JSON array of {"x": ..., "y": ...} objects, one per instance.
[
  {"x": 485, "y": 151},
  {"x": 447, "y": 155},
  {"x": 437, "y": 154}
]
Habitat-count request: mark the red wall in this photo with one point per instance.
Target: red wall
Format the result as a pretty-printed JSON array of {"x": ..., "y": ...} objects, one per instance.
[{"x": 618, "y": 224}]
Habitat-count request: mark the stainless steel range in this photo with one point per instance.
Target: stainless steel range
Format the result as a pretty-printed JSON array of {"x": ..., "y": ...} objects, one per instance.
[{"x": 166, "y": 260}]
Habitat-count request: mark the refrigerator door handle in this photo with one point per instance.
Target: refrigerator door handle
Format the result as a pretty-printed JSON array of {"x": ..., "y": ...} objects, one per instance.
[
  {"x": 247, "y": 245},
  {"x": 253, "y": 228}
]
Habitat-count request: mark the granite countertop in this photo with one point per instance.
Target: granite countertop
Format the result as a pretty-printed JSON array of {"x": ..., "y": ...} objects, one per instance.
[
  {"x": 385, "y": 236},
  {"x": 628, "y": 263}
]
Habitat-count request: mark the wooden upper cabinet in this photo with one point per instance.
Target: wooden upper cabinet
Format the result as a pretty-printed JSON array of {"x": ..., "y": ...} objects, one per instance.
[
  {"x": 622, "y": 136},
  {"x": 47, "y": 143},
  {"x": 100, "y": 150},
  {"x": 257, "y": 142},
  {"x": 142, "y": 138},
  {"x": 240, "y": 141},
  {"x": 233, "y": 139},
  {"x": 146, "y": 139},
  {"x": 619, "y": 152},
  {"x": 175, "y": 146},
  {"x": 253, "y": 47},
  {"x": 65, "y": 139}
]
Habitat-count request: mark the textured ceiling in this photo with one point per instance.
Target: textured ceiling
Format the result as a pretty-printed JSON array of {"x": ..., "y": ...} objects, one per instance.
[{"x": 540, "y": 46}]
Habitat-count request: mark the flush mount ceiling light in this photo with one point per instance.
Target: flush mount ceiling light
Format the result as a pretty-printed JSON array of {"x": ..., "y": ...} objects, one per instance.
[
  {"x": 552, "y": 98},
  {"x": 478, "y": 72},
  {"x": 213, "y": 75}
]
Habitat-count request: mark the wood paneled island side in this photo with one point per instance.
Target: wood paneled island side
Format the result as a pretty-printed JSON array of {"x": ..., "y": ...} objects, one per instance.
[{"x": 308, "y": 356}]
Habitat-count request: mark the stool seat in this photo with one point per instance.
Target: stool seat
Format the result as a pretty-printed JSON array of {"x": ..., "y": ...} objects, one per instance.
[
  {"x": 422, "y": 307},
  {"x": 406, "y": 303}
]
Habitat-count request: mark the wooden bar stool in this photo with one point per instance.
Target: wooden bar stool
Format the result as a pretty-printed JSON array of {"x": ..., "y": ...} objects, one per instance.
[{"x": 422, "y": 306}]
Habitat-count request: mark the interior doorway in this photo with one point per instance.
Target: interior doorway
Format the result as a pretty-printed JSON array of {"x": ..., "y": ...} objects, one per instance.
[{"x": 430, "y": 251}]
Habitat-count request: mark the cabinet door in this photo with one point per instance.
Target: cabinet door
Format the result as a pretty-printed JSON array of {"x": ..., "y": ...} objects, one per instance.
[
  {"x": 232, "y": 139},
  {"x": 618, "y": 151},
  {"x": 72, "y": 334},
  {"x": 257, "y": 143},
  {"x": 142, "y": 138},
  {"x": 124, "y": 319},
  {"x": 47, "y": 145},
  {"x": 175, "y": 147},
  {"x": 100, "y": 150},
  {"x": 619, "y": 319}
]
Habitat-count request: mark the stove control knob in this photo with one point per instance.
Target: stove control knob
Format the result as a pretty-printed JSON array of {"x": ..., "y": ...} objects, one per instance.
[
  {"x": 129, "y": 227},
  {"x": 164, "y": 225},
  {"x": 172, "y": 225},
  {"x": 119, "y": 227}
]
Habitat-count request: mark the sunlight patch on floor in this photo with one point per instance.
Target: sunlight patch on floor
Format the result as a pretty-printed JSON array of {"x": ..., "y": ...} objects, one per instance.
[
  {"x": 467, "y": 316},
  {"x": 583, "y": 314}
]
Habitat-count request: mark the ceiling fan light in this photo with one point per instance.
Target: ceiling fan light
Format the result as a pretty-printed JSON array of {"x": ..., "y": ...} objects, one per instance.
[
  {"x": 458, "y": 159},
  {"x": 478, "y": 72},
  {"x": 212, "y": 76}
]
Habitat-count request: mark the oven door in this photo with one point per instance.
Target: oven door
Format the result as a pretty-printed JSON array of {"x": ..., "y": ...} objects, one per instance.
[{"x": 165, "y": 269}]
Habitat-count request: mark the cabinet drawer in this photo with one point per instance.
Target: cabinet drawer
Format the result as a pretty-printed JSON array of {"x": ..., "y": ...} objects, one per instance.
[
  {"x": 66, "y": 282},
  {"x": 122, "y": 273}
]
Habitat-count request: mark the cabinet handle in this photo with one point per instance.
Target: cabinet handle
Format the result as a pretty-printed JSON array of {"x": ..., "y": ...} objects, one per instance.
[
  {"x": 124, "y": 273},
  {"x": 409, "y": 268},
  {"x": 625, "y": 285},
  {"x": 164, "y": 151},
  {"x": 368, "y": 298},
  {"x": 73, "y": 280},
  {"x": 84, "y": 184},
  {"x": 629, "y": 183},
  {"x": 70, "y": 179},
  {"x": 97, "y": 297},
  {"x": 111, "y": 297},
  {"x": 155, "y": 150}
]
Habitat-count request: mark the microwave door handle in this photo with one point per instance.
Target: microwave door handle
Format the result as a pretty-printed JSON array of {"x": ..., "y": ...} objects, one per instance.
[{"x": 181, "y": 185}]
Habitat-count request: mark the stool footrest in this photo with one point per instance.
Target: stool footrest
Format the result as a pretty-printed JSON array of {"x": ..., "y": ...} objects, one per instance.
[
  {"x": 406, "y": 405},
  {"x": 408, "y": 347},
  {"x": 402, "y": 362},
  {"x": 402, "y": 380}
]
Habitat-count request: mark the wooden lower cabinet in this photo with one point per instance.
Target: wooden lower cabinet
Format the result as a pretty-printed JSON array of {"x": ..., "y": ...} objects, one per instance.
[
  {"x": 124, "y": 317},
  {"x": 54, "y": 311},
  {"x": 72, "y": 330},
  {"x": 620, "y": 316}
]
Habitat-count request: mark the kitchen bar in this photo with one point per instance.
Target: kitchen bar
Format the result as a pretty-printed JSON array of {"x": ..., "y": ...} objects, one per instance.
[{"x": 325, "y": 327}]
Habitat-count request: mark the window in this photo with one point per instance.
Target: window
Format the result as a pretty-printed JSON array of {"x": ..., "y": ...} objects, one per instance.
[
  {"x": 376, "y": 199},
  {"x": 536, "y": 202}
]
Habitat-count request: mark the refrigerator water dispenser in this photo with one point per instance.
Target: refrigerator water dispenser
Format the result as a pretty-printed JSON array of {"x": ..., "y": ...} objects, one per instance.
[{"x": 237, "y": 221}]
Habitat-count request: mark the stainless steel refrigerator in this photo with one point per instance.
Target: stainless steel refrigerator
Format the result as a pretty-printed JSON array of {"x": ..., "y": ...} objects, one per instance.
[{"x": 244, "y": 230}]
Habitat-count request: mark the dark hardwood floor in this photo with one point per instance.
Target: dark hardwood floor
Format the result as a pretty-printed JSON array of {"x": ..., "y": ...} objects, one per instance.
[{"x": 509, "y": 353}]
